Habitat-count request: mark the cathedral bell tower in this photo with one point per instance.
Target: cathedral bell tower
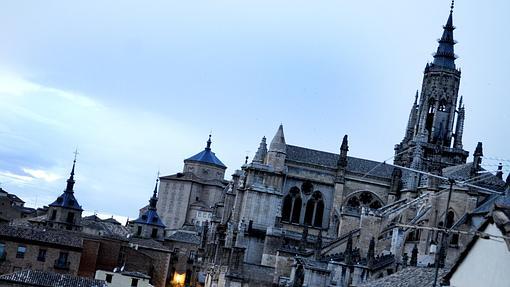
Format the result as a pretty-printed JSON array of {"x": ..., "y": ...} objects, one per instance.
[{"x": 433, "y": 138}]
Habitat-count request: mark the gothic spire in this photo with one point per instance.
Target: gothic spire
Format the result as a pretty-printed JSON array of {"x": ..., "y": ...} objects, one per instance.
[
  {"x": 278, "y": 143},
  {"x": 445, "y": 56}
]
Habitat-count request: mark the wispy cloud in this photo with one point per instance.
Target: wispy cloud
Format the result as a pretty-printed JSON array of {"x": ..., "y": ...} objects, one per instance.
[
  {"x": 120, "y": 149},
  {"x": 42, "y": 174},
  {"x": 16, "y": 177}
]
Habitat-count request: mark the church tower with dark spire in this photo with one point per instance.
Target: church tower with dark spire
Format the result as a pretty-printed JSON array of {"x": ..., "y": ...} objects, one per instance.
[
  {"x": 65, "y": 212},
  {"x": 149, "y": 224},
  {"x": 433, "y": 138}
]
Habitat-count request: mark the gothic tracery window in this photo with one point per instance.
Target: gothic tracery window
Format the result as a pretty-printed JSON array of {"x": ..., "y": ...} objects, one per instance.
[
  {"x": 442, "y": 105},
  {"x": 314, "y": 210},
  {"x": 291, "y": 210},
  {"x": 364, "y": 199}
]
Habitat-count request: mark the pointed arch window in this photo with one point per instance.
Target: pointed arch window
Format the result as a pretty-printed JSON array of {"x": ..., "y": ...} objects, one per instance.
[
  {"x": 450, "y": 220},
  {"x": 314, "y": 210},
  {"x": 442, "y": 106},
  {"x": 364, "y": 199},
  {"x": 291, "y": 210}
]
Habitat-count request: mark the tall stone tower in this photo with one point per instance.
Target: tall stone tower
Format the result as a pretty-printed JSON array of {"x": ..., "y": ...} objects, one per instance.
[{"x": 433, "y": 138}]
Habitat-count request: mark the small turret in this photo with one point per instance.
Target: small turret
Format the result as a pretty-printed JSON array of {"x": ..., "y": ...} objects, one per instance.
[
  {"x": 277, "y": 151},
  {"x": 260, "y": 156},
  {"x": 499, "y": 173},
  {"x": 413, "y": 115},
  {"x": 342, "y": 161},
  {"x": 477, "y": 159},
  {"x": 459, "y": 129}
]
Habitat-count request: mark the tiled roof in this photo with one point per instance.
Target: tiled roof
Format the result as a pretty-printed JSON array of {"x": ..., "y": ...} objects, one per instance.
[
  {"x": 149, "y": 243},
  {"x": 485, "y": 178},
  {"x": 206, "y": 156},
  {"x": 105, "y": 227},
  {"x": 52, "y": 236},
  {"x": 50, "y": 279},
  {"x": 407, "y": 277},
  {"x": 330, "y": 160},
  {"x": 150, "y": 217},
  {"x": 67, "y": 200},
  {"x": 186, "y": 237}
]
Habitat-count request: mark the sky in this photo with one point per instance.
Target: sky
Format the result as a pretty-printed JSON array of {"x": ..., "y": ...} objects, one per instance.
[{"x": 137, "y": 86}]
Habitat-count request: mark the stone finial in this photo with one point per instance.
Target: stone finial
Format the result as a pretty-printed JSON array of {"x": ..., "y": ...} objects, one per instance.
[
  {"x": 499, "y": 173},
  {"x": 477, "y": 159},
  {"x": 260, "y": 156}
]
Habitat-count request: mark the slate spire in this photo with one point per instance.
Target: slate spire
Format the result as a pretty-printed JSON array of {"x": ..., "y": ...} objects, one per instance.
[
  {"x": 445, "y": 56},
  {"x": 154, "y": 199},
  {"x": 70, "y": 180}
]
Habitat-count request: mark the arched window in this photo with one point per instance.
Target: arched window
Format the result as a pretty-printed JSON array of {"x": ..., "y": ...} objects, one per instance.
[
  {"x": 287, "y": 207},
  {"x": 442, "y": 106},
  {"x": 450, "y": 220},
  {"x": 430, "y": 115},
  {"x": 319, "y": 210},
  {"x": 364, "y": 199},
  {"x": 291, "y": 210},
  {"x": 314, "y": 210},
  {"x": 296, "y": 211}
]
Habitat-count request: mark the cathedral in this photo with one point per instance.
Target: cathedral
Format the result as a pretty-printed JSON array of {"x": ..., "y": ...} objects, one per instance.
[{"x": 296, "y": 216}]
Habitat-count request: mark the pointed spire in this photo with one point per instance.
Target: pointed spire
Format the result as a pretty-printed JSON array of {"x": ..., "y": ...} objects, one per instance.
[
  {"x": 445, "y": 56},
  {"x": 344, "y": 148},
  {"x": 208, "y": 146},
  {"x": 70, "y": 180},
  {"x": 261, "y": 152},
  {"x": 154, "y": 199},
  {"x": 477, "y": 159},
  {"x": 278, "y": 143}
]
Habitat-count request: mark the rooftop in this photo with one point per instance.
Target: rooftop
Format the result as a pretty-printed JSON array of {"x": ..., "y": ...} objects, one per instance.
[
  {"x": 50, "y": 279},
  {"x": 330, "y": 160},
  {"x": 50, "y": 236}
]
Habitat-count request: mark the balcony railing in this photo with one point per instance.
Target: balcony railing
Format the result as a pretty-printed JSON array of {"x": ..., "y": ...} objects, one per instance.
[{"x": 61, "y": 265}]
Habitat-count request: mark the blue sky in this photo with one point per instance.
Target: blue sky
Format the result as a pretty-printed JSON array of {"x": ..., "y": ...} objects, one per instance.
[{"x": 137, "y": 87}]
